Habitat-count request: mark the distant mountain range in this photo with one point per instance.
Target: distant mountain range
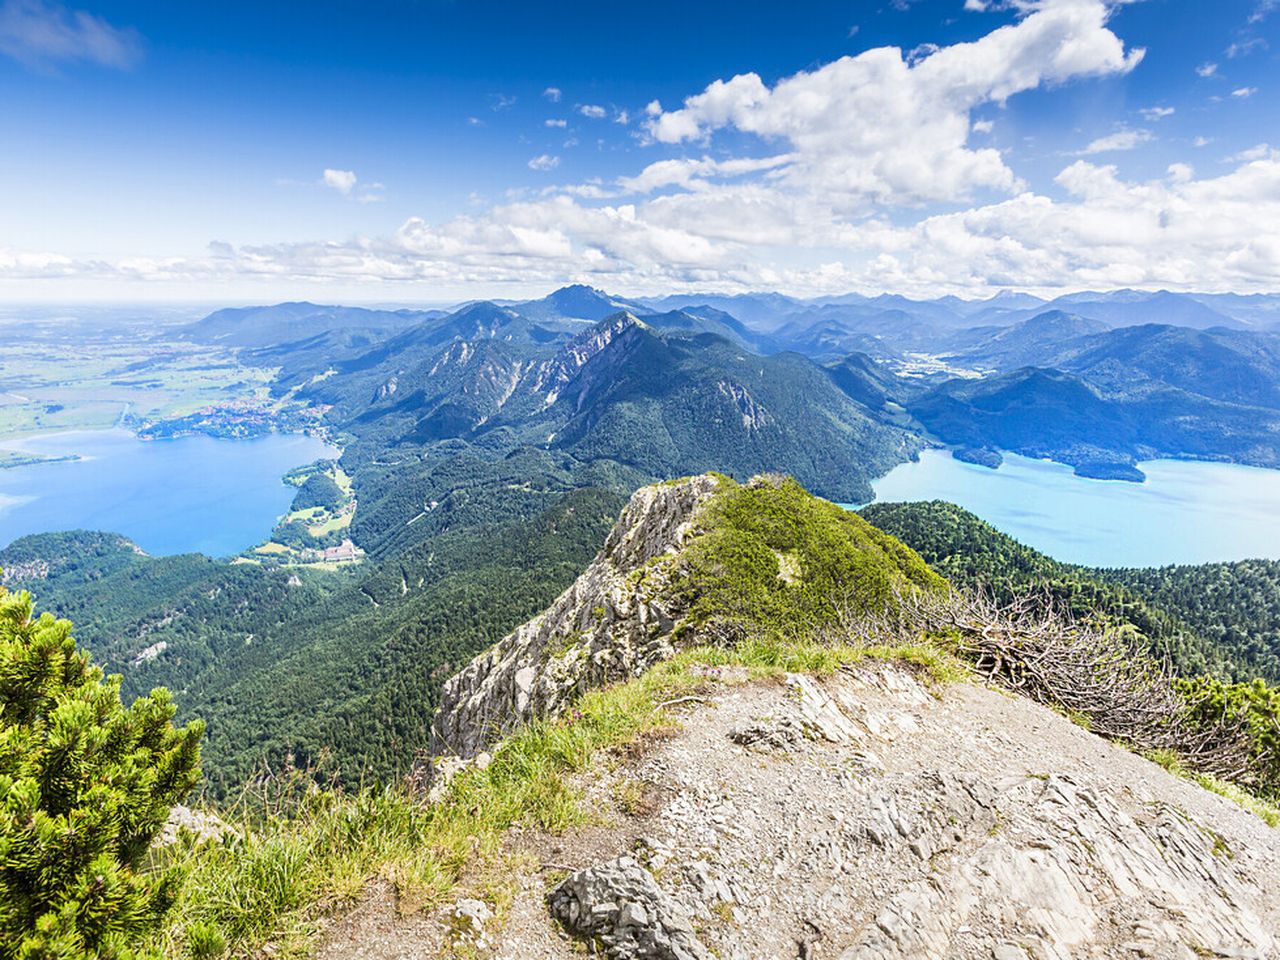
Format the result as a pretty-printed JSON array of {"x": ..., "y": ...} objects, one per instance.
[
  {"x": 490, "y": 446},
  {"x": 833, "y": 389}
]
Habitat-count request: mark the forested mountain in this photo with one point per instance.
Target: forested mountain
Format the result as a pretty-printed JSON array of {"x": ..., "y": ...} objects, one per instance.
[
  {"x": 662, "y": 402},
  {"x": 312, "y": 668},
  {"x": 1235, "y": 606},
  {"x": 1227, "y": 365},
  {"x": 1062, "y": 416}
]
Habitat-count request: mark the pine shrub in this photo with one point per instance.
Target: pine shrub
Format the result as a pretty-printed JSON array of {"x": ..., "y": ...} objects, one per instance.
[{"x": 85, "y": 785}]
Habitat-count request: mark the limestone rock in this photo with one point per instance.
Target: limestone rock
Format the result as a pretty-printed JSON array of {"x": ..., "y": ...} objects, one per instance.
[
  {"x": 614, "y": 622},
  {"x": 621, "y": 905}
]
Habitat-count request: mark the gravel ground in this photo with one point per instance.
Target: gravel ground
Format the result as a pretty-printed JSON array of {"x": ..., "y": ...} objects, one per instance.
[{"x": 862, "y": 817}]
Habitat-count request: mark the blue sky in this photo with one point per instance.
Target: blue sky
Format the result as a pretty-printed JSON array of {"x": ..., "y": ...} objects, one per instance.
[{"x": 478, "y": 148}]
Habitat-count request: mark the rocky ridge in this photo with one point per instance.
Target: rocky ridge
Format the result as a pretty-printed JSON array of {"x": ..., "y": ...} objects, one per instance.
[
  {"x": 614, "y": 622},
  {"x": 861, "y": 815}
]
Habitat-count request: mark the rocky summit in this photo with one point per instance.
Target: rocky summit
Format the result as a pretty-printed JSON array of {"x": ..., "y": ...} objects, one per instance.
[{"x": 858, "y": 813}]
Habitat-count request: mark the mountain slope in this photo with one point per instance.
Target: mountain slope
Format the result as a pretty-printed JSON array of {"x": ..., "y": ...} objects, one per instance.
[
  {"x": 914, "y": 820},
  {"x": 285, "y": 322}
]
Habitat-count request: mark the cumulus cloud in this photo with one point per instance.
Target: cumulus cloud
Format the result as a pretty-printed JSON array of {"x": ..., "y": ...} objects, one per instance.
[
  {"x": 854, "y": 175},
  {"x": 42, "y": 35},
  {"x": 1243, "y": 92},
  {"x": 544, "y": 161},
  {"x": 1207, "y": 69},
  {"x": 1120, "y": 140},
  {"x": 883, "y": 127},
  {"x": 592, "y": 110},
  {"x": 1156, "y": 113},
  {"x": 559, "y": 124},
  {"x": 553, "y": 94},
  {"x": 344, "y": 181}
]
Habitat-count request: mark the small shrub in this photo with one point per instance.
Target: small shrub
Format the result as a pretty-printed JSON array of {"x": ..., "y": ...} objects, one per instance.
[{"x": 85, "y": 785}]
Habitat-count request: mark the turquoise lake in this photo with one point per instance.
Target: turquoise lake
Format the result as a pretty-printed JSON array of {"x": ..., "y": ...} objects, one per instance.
[
  {"x": 1186, "y": 512},
  {"x": 217, "y": 497}
]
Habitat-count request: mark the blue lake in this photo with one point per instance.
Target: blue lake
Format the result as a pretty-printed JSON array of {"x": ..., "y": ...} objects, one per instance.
[
  {"x": 1186, "y": 512},
  {"x": 217, "y": 497}
]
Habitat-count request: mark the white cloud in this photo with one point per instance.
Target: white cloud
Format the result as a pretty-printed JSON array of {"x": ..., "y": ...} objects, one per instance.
[
  {"x": 1120, "y": 140},
  {"x": 500, "y": 101},
  {"x": 1242, "y": 48},
  {"x": 560, "y": 124},
  {"x": 343, "y": 181},
  {"x": 622, "y": 117},
  {"x": 1243, "y": 92},
  {"x": 1176, "y": 232},
  {"x": 694, "y": 174},
  {"x": 41, "y": 35},
  {"x": 983, "y": 126},
  {"x": 1263, "y": 10},
  {"x": 1207, "y": 69},
  {"x": 1202, "y": 141},
  {"x": 1261, "y": 151},
  {"x": 553, "y": 94},
  {"x": 855, "y": 175},
  {"x": 1156, "y": 113},
  {"x": 876, "y": 128},
  {"x": 976, "y": 6},
  {"x": 594, "y": 111}
]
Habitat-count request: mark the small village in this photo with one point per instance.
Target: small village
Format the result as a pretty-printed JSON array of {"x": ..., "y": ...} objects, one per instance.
[{"x": 314, "y": 533}]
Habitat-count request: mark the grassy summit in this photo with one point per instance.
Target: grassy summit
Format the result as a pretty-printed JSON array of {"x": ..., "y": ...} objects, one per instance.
[{"x": 773, "y": 556}]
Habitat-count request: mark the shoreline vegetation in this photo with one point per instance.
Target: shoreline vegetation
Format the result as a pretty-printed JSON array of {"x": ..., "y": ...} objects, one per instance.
[{"x": 10, "y": 459}]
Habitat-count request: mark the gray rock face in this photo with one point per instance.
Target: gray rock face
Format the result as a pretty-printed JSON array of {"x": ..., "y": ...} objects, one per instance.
[
  {"x": 621, "y": 905},
  {"x": 613, "y": 623}
]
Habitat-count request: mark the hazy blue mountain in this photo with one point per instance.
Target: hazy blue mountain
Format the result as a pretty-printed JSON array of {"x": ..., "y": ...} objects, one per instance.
[
  {"x": 1259, "y": 310},
  {"x": 706, "y": 319},
  {"x": 837, "y": 329},
  {"x": 285, "y": 322},
  {"x": 1041, "y": 340},
  {"x": 577, "y": 302},
  {"x": 761, "y": 311},
  {"x": 1123, "y": 308}
]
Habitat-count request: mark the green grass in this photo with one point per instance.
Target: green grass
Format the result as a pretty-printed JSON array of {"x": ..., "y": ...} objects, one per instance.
[
  {"x": 316, "y": 853},
  {"x": 1264, "y": 809},
  {"x": 772, "y": 555}
]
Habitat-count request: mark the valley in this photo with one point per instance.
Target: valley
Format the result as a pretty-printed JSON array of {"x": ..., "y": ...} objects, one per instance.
[{"x": 481, "y": 451}]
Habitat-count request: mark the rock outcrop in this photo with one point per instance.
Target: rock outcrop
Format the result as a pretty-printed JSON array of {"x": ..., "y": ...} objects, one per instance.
[
  {"x": 862, "y": 818},
  {"x": 620, "y": 905},
  {"x": 614, "y": 622}
]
